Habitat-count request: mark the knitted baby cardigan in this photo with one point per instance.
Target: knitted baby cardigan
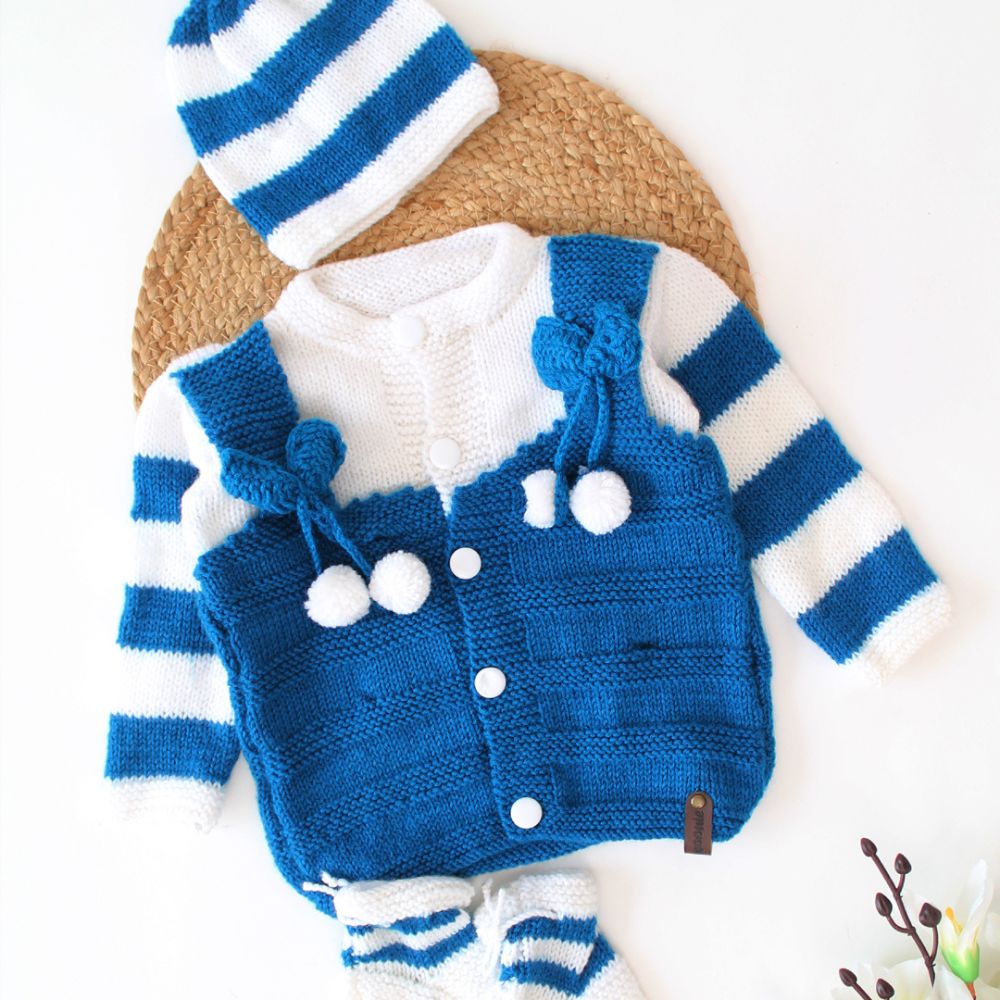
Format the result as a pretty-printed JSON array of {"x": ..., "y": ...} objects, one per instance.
[{"x": 456, "y": 545}]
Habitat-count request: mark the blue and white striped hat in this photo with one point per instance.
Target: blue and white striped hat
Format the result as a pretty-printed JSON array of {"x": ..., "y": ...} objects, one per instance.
[{"x": 315, "y": 117}]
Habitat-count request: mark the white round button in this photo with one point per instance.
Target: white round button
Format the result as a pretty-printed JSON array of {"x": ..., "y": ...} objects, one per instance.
[
  {"x": 491, "y": 682},
  {"x": 407, "y": 331},
  {"x": 465, "y": 563},
  {"x": 445, "y": 453},
  {"x": 526, "y": 813}
]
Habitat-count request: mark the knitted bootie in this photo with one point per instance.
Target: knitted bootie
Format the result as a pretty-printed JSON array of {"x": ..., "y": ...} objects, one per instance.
[
  {"x": 411, "y": 939},
  {"x": 541, "y": 933}
]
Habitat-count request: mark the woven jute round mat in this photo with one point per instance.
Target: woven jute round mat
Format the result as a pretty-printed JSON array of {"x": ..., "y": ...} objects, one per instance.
[{"x": 562, "y": 156}]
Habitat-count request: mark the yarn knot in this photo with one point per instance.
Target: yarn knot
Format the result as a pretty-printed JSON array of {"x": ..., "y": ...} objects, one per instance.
[
  {"x": 314, "y": 451},
  {"x": 582, "y": 363},
  {"x": 569, "y": 356}
]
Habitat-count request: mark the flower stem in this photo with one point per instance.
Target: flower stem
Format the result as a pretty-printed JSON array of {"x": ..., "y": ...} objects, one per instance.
[
  {"x": 860, "y": 992},
  {"x": 908, "y": 928}
]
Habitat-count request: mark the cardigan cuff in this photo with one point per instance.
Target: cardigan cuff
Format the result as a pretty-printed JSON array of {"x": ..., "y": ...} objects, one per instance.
[
  {"x": 903, "y": 633},
  {"x": 183, "y": 802}
]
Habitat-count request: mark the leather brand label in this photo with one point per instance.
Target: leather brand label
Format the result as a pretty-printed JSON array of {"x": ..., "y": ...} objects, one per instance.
[{"x": 698, "y": 824}]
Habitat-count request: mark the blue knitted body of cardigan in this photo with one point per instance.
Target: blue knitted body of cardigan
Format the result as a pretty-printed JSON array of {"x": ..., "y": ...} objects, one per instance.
[{"x": 637, "y": 670}]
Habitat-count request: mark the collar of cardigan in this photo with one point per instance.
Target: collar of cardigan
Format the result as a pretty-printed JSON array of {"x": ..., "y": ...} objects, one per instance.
[{"x": 452, "y": 283}]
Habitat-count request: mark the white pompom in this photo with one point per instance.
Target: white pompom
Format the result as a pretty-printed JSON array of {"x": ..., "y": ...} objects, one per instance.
[
  {"x": 540, "y": 498},
  {"x": 400, "y": 582},
  {"x": 600, "y": 501},
  {"x": 338, "y": 597}
]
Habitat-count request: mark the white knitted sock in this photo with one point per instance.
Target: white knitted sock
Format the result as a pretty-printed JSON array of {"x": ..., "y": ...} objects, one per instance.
[
  {"x": 542, "y": 936},
  {"x": 411, "y": 939}
]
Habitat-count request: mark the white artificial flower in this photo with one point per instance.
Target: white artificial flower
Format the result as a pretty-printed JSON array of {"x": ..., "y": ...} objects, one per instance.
[
  {"x": 990, "y": 945},
  {"x": 910, "y": 980},
  {"x": 961, "y": 926},
  {"x": 968, "y": 959},
  {"x": 949, "y": 987}
]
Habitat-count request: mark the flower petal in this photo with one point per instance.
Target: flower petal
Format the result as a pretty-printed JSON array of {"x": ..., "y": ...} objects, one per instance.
[
  {"x": 947, "y": 986},
  {"x": 910, "y": 980},
  {"x": 980, "y": 891}
]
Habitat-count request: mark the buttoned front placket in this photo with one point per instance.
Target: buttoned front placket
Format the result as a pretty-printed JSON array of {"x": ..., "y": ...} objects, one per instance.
[
  {"x": 434, "y": 387},
  {"x": 483, "y": 521},
  {"x": 451, "y": 439}
]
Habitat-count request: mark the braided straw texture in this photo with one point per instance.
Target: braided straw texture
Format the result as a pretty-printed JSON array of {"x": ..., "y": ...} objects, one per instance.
[{"x": 562, "y": 156}]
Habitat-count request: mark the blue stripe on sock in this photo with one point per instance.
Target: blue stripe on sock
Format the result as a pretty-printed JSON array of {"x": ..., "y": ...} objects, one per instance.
[
  {"x": 537, "y": 972},
  {"x": 574, "y": 929},
  {"x": 734, "y": 357},
  {"x": 159, "y": 618},
  {"x": 159, "y": 485},
  {"x": 417, "y": 958},
  {"x": 409, "y": 925},
  {"x": 279, "y": 82},
  {"x": 881, "y": 582},
  {"x": 363, "y": 135},
  {"x": 204, "y": 18},
  {"x": 785, "y": 492},
  {"x": 176, "y": 748}
]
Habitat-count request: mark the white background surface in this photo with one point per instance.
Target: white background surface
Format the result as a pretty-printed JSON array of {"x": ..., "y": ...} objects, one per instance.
[{"x": 856, "y": 147}]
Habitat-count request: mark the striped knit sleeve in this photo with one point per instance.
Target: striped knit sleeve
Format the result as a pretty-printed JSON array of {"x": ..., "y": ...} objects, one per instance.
[
  {"x": 823, "y": 536},
  {"x": 171, "y": 739}
]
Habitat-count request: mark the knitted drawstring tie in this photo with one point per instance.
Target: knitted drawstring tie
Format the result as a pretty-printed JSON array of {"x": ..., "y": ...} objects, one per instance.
[
  {"x": 327, "y": 885},
  {"x": 583, "y": 365},
  {"x": 314, "y": 452}
]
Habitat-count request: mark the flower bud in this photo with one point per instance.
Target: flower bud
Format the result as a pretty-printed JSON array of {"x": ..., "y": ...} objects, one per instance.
[
  {"x": 883, "y": 990},
  {"x": 930, "y": 916},
  {"x": 848, "y": 978},
  {"x": 883, "y": 904},
  {"x": 868, "y": 849}
]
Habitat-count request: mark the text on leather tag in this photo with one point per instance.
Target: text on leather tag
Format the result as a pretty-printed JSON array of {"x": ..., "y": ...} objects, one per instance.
[{"x": 698, "y": 824}]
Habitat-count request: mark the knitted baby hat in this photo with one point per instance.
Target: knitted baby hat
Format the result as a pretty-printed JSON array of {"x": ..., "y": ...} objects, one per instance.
[{"x": 314, "y": 117}]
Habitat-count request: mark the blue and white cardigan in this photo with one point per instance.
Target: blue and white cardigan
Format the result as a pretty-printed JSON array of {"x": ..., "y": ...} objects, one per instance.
[{"x": 456, "y": 546}]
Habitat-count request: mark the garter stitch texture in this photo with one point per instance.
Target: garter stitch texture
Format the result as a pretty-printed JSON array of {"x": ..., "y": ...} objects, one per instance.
[
  {"x": 558, "y": 687},
  {"x": 313, "y": 118}
]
